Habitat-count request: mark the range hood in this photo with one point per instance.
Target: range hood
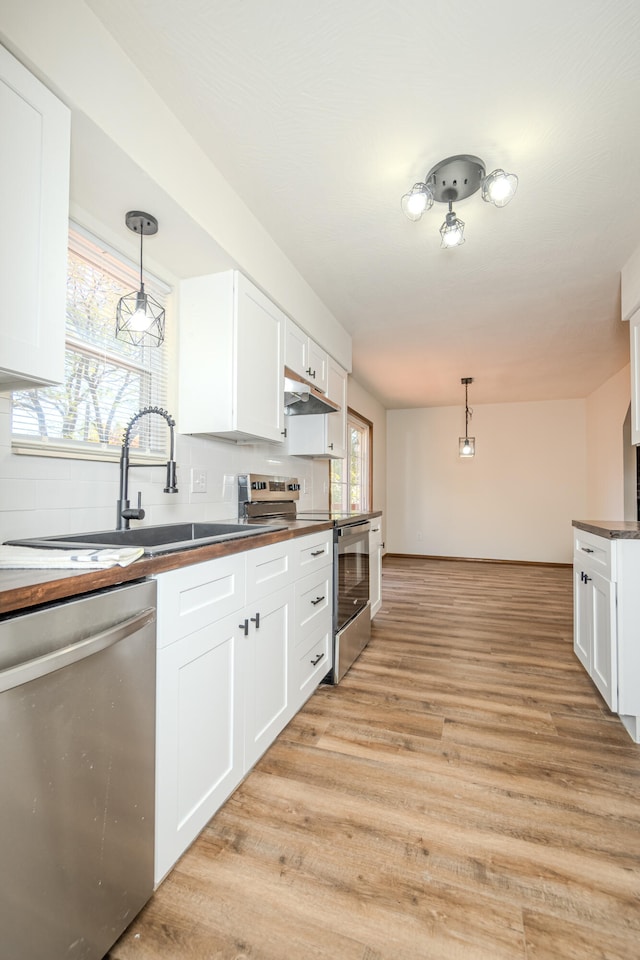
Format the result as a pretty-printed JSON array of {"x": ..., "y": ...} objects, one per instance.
[{"x": 303, "y": 399}]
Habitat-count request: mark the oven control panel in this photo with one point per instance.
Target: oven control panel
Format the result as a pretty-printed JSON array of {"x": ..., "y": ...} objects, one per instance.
[{"x": 261, "y": 488}]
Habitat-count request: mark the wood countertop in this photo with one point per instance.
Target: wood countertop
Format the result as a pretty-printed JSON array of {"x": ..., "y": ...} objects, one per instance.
[
  {"x": 23, "y": 589},
  {"x": 611, "y": 529}
]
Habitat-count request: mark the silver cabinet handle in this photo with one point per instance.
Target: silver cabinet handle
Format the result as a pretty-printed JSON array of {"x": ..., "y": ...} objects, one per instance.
[
  {"x": 317, "y": 659},
  {"x": 40, "y": 666},
  {"x": 317, "y": 600}
]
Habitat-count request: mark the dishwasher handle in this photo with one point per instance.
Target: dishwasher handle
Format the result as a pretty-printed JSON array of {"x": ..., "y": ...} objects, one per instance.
[{"x": 41, "y": 666}]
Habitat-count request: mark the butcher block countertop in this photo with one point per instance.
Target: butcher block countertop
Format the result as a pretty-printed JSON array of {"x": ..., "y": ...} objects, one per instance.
[
  {"x": 611, "y": 529},
  {"x": 23, "y": 589}
]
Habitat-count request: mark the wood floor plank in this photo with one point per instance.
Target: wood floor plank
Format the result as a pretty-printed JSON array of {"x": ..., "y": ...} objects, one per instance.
[{"x": 464, "y": 794}]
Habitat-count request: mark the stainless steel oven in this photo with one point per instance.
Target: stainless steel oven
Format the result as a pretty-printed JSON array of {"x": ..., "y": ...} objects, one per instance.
[{"x": 352, "y": 608}]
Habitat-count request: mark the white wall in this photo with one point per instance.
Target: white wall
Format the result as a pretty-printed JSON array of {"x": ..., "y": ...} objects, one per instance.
[
  {"x": 514, "y": 500},
  {"x": 48, "y": 495},
  {"x": 606, "y": 411}
]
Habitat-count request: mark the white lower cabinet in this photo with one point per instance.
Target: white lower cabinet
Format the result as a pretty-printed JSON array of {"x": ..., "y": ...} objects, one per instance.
[
  {"x": 595, "y": 630},
  {"x": 234, "y": 635},
  {"x": 606, "y": 573},
  {"x": 376, "y": 547}
]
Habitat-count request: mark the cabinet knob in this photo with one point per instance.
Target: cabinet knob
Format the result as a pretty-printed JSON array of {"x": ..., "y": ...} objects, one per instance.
[
  {"x": 330, "y": 445},
  {"x": 256, "y": 620},
  {"x": 310, "y": 372},
  {"x": 244, "y": 626}
]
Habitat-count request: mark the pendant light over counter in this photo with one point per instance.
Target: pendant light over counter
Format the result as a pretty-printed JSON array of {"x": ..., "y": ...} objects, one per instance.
[
  {"x": 466, "y": 444},
  {"x": 139, "y": 317}
]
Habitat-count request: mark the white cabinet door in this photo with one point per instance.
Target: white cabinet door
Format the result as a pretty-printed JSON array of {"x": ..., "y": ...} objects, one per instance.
[
  {"x": 303, "y": 356},
  {"x": 199, "y": 734},
  {"x": 317, "y": 369},
  {"x": 604, "y": 667},
  {"x": 231, "y": 360},
  {"x": 375, "y": 565},
  {"x": 634, "y": 333},
  {"x": 296, "y": 349},
  {"x": 266, "y": 647},
  {"x": 581, "y": 619},
  {"x": 259, "y": 366},
  {"x": 337, "y": 422},
  {"x": 34, "y": 206},
  {"x": 595, "y": 639}
]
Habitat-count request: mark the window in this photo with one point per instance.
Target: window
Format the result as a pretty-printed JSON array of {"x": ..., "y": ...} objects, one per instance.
[
  {"x": 351, "y": 478},
  {"x": 106, "y": 380}
]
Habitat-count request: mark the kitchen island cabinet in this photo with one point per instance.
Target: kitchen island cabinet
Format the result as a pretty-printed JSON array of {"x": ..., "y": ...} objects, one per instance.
[
  {"x": 607, "y": 613},
  {"x": 231, "y": 360},
  {"x": 34, "y": 202},
  {"x": 376, "y": 547}
]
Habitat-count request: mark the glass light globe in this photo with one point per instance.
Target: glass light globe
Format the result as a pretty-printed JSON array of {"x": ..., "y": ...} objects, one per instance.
[
  {"x": 452, "y": 231},
  {"x": 417, "y": 201},
  {"x": 499, "y": 187}
]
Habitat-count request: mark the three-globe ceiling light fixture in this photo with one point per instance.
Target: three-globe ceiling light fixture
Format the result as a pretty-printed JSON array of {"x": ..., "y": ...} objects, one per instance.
[
  {"x": 453, "y": 179},
  {"x": 139, "y": 317}
]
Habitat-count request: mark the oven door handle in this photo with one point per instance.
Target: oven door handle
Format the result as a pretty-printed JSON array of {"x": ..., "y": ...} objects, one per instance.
[{"x": 354, "y": 529}]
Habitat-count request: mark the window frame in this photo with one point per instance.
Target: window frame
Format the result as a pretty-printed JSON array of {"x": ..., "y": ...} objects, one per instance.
[
  {"x": 360, "y": 421},
  {"x": 89, "y": 246}
]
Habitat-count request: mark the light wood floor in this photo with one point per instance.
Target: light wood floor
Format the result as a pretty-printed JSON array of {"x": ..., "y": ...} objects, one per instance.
[{"x": 464, "y": 794}]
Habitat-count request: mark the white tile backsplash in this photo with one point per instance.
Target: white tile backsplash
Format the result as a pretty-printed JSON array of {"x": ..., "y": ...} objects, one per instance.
[{"x": 51, "y": 495}]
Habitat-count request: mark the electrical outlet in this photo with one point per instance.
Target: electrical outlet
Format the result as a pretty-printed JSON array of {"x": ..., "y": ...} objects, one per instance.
[{"x": 198, "y": 480}]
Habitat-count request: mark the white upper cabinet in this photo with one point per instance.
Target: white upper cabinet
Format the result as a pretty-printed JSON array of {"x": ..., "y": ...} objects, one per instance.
[
  {"x": 305, "y": 357},
  {"x": 231, "y": 359},
  {"x": 34, "y": 208}
]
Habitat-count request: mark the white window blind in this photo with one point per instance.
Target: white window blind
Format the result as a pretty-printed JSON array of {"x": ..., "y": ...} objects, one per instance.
[{"x": 107, "y": 381}]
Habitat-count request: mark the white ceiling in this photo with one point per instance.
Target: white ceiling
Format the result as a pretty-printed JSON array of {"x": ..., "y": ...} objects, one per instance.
[{"x": 322, "y": 115}]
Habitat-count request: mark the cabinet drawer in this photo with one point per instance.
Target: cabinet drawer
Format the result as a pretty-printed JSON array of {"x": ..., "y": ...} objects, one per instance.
[
  {"x": 269, "y": 569},
  {"x": 194, "y": 596},
  {"x": 312, "y": 552},
  {"x": 595, "y": 553},
  {"x": 311, "y": 665},
  {"x": 313, "y": 603}
]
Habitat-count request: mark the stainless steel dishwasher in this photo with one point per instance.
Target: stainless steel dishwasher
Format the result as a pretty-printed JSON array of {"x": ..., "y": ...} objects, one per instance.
[{"x": 77, "y": 745}]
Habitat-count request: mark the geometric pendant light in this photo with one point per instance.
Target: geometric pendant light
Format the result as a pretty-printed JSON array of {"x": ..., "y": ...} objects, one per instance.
[
  {"x": 466, "y": 444},
  {"x": 139, "y": 317}
]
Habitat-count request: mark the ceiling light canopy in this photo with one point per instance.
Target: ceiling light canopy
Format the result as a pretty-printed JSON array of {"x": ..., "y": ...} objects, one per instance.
[{"x": 453, "y": 179}]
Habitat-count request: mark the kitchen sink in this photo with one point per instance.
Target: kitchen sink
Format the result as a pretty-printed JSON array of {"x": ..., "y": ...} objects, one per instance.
[{"x": 163, "y": 538}]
